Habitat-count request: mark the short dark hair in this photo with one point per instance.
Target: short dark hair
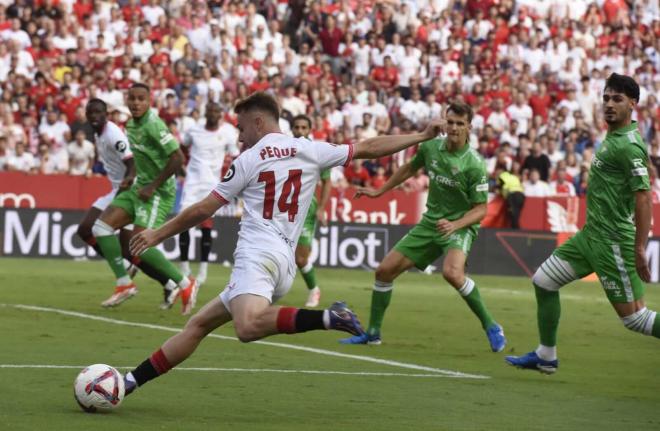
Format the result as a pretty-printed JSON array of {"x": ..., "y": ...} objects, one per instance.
[
  {"x": 100, "y": 102},
  {"x": 141, "y": 85},
  {"x": 460, "y": 108},
  {"x": 623, "y": 84},
  {"x": 304, "y": 118},
  {"x": 259, "y": 101}
]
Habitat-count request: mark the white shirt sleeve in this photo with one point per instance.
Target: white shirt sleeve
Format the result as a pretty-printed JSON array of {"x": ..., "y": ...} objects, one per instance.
[
  {"x": 331, "y": 155},
  {"x": 187, "y": 139},
  {"x": 120, "y": 144},
  {"x": 234, "y": 181},
  {"x": 232, "y": 143}
]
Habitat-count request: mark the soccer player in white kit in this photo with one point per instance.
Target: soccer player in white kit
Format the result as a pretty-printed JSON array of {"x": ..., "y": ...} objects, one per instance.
[
  {"x": 208, "y": 146},
  {"x": 276, "y": 177},
  {"x": 114, "y": 151}
]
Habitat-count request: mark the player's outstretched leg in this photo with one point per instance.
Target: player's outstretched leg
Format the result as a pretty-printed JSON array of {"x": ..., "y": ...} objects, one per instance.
[
  {"x": 453, "y": 270},
  {"x": 184, "y": 248},
  {"x": 306, "y": 268},
  {"x": 254, "y": 318}
]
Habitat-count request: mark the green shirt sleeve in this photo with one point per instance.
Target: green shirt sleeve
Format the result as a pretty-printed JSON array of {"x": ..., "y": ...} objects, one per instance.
[
  {"x": 634, "y": 159},
  {"x": 478, "y": 184},
  {"x": 418, "y": 160},
  {"x": 325, "y": 174},
  {"x": 159, "y": 132}
]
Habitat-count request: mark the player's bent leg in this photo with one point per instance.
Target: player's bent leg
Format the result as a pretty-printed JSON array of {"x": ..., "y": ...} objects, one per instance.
[
  {"x": 393, "y": 265},
  {"x": 85, "y": 228},
  {"x": 636, "y": 317},
  {"x": 554, "y": 273},
  {"x": 308, "y": 274},
  {"x": 179, "y": 347},
  {"x": 453, "y": 271}
]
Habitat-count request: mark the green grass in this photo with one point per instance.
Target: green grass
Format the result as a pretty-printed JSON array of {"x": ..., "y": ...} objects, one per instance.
[{"x": 608, "y": 379}]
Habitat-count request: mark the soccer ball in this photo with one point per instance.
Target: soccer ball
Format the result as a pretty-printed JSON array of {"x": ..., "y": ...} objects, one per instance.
[{"x": 99, "y": 387}]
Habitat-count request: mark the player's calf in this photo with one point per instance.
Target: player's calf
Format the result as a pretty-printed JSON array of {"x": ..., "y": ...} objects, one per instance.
[
  {"x": 644, "y": 321},
  {"x": 338, "y": 316}
]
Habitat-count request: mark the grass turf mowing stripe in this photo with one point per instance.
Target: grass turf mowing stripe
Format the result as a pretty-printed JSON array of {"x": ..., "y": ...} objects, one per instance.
[
  {"x": 237, "y": 370},
  {"x": 398, "y": 364}
]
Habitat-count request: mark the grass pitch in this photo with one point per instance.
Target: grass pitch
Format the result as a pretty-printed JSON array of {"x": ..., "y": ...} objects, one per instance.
[{"x": 608, "y": 377}]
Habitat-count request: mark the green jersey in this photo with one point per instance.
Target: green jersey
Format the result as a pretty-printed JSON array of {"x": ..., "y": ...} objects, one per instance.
[
  {"x": 325, "y": 175},
  {"x": 152, "y": 144},
  {"x": 618, "y": 169},
  {"x": 458, "y": 180}
]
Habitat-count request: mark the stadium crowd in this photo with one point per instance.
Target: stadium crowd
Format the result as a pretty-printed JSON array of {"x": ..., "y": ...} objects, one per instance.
[{"x": 532, "y": 70}]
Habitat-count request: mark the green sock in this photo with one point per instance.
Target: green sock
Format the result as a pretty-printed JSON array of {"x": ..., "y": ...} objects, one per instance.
[
  {"x": 111, "y": 249},
  {"x": 157, "y": 260},
  {"x": 473, "y": 299},
  {"x": 548, "y": 312},
  {"x": 309, "y": 275},
  {"x": 656, "y": 326},
  {"x": 380, "y": 300}
]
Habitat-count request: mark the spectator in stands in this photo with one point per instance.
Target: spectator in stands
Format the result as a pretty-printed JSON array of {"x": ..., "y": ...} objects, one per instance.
[
  {"x": 562, "y": 185},
  {"x": 538, "y": 161},
  {"x": 81, "y": 155},
  {"x": 511, "y": 190},
  {"x": 51, "y": 159},
  {"x": 356, "y": 174},
  {"x": 21, "y": 160},
  {"x": 535, "y": 186},
  {"x": 4, "y": 153}
]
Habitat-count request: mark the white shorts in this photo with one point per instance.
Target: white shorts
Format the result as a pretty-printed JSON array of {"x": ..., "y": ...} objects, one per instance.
[
  {"x": 260, "y": 273},
  {"x": 195, "y": 192},
  {"x": 103, "y": 202}
]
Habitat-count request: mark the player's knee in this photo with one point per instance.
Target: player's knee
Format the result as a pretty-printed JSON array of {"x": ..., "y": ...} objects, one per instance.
[
  {"x": 101, "y": 228},
  {"x": 385, "y": 273},
  {"x": 246, "y": 331},
  {"x": 641, "y": 321},
  {"x": 553, "y": 274},
  {"x": 453, "y": 274},
  {"x": 197, "y": 327},
  {"x": 84, "y": 231},
  {"x": 301, "y": 261}
]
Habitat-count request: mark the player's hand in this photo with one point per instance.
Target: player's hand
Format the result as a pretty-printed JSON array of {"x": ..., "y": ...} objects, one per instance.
[
  {"x": 145, "y": 193},
  {"x": 642, "y": 266},
  {"x": 366, "y": 191},
  {"x": 435, "y": 128},
  {"x": 321, "y": 217},
  {"x": 126, "y": 184},
  {"x": 142, "y": 241},
  {"x": 446, "y": 227}
]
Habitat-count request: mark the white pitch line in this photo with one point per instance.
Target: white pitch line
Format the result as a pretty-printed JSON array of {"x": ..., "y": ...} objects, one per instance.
[
  {"x": 448, "y": 373},
  {"x": 237, "y": 370}
]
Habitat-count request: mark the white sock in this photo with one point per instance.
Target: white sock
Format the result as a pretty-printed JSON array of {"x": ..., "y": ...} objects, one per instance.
[
  {"x": 547, "y": 353},
  {"x": 170, "y": 285},
  {"x": 123, "y": 281},
  {"x": 185, "y": 267},
  {"x": 203, "y": 267},
  {"x": 305, "y": 269},
  {"x": 130, "y": 378},
  {"x": 326, "y": 319},
  {"x": 383, "y": 286},
  {"x": 184, "y": 283},
  {"x": 127, "y": 264}
]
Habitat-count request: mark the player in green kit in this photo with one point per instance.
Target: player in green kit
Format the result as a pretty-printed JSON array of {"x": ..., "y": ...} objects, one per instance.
[
  {"x": 456, "y": 204},
  {"x": 147, "y": 203},
  {"x": 301, "y": 128},
  {"x": 612, "y": 242}
]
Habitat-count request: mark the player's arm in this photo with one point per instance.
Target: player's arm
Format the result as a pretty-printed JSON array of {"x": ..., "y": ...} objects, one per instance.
[
  {"x": 187, "y": 219},
  {"x": 173, "y": 166},
  {"x": 129, "y": 174},
  {"x": 643, "y": 211},
  {"x": 403, "y": 173},
  {"x": 326, "y": 187},
  {"x": 474, "y": 215},
  {"x": 379, "y": 146}
]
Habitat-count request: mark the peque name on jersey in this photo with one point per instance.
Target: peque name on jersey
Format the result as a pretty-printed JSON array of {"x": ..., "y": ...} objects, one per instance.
[{"x": 270, "y": 152}]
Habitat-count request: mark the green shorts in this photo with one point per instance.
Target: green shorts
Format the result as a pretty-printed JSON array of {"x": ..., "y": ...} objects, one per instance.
[
  {"x": 613, "y": 263},
  {"x": 151, "y": 214},
  {"x": 309, "y": 227},
  {"x": 423, "y": 243}
]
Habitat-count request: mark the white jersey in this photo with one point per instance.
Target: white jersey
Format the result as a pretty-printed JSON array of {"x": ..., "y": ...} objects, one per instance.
[
  {"x": 276, "y": 179},
  {"x": 112, "y": 148},
  {"x": 207, "y": 153}
]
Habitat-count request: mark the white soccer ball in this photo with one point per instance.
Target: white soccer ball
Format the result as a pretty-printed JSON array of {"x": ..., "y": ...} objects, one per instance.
[{"x": 99, "y": 387}]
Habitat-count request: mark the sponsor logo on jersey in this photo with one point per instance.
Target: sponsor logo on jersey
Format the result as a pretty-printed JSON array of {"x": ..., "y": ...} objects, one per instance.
[
  {"x": 596, "y": 162},
  {"x": 444, "y": 180},
  {"x": 230, "y": 174},
  {"x": 482, "y": 187},
  {"x": 121, "y": 146}
]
